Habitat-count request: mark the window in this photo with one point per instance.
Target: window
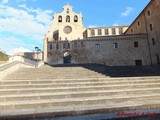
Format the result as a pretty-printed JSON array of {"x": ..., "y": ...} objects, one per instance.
[
  {"x": 55, "y": 36},
  {"x": 149, "y": 12},
  {"x": 92, "y": 33},
  {"x": 75, "y": 18},
  {"x": 67, "y": 10},
  {"x": 64, "y": 45},
  {"x": 68, "y": 46},
  {"x": 60, "y": 19},
  {"x": 99, "y": 32},
  {"x": 75, "y": 45},
  {"x": 113, "y": 31},
  {"x": 82, "y": 44},
  {"x": 67, "y": 18},
  {"x": 131, "y": 30},
  {"x": 57, "y": 46},
  {"x": 151, "y": 27},
  {"x": 120, "y": 31},
  {"x": 138, "y": 23},
  {"x": 97, "y": 47},
  {"x": 84, "y": 35},
  {"x": 136, "y": 44},
  {"x": 67, "y": 29},
  {"x": 50, "y": 46},
  {"x": 115, "y": 45},
  {"x": 153, "y": 41},
  {"x": 106, "y": 32},
  {"x": 138, "y": 62}
]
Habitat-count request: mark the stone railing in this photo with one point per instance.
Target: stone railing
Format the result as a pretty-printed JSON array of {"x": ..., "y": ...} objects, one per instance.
[
  {"x": 12, "y": 67},
  {"x": 39, "y": 64},
  {"x": 26, "y": 60},
  {"x": 16, "y": 62},
  {"x": 3, "y": 63},
  {"x": 118, "y": 37}
]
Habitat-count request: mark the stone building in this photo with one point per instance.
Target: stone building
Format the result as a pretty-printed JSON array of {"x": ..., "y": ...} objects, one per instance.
[
  {"x": 148, "y": 23},
  {"x": 68, "y": 41}
]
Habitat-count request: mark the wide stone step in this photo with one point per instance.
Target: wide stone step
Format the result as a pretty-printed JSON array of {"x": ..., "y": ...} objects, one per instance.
[
  {"x": 52, "y": 112},
  {"x": 106, "y": 87},
  {"x": 63, "y": 95},
  {"x": 53, "y": 77},
  {"x": 73, "y": 89},
  {"x": 129, "y": 79},
  {"x": 55, "y": 85},
  {"x": 71, "y": 82},
  {"x": 37, "y": 104}
]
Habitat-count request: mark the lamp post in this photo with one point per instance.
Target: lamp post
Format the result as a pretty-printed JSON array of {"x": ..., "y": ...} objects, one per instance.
[{"x": 37, "y": 50}]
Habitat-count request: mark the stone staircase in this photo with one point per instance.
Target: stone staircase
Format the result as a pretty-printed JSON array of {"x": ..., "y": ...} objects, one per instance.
[{"x": 72, "y": 90}]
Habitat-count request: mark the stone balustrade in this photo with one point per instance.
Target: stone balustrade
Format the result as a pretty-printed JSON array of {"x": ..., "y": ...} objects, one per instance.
[
  {"x": 17, "y": 62},
  {"x": 12, "y": 67}
]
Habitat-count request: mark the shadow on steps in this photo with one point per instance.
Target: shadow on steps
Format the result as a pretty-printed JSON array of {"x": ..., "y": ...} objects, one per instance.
[{"x": 118, "y": 71}]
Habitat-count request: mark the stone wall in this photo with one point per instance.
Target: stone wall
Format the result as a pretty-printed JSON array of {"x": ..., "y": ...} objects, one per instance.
[
  {"x": 125, "y": 54},
  {"x": 148, "y": 23}
]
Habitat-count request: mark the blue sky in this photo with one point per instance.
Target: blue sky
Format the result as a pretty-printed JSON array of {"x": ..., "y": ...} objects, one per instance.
[{"x": 23, "y": 23}]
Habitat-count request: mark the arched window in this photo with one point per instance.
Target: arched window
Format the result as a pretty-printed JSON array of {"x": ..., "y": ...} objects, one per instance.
[
  {"x": 67, "y": 10},
  {"x": 60, "y": 19},
  {"x": 75, "y": 18},
  {"x": 55, "y": 36},
  {"x": 50, "y": 46},
  {"x": 57, "y": 46},
  {"x": 64, "y": 45},
  {"x": 75, "y": 45},
  {"x": 67, "y": 18},
  {"x": 82, "y": 44},
  {"x": 68, "y": 46}
]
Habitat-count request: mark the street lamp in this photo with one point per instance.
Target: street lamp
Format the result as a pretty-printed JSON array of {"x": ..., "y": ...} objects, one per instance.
[{"x": 37, "y": 50}]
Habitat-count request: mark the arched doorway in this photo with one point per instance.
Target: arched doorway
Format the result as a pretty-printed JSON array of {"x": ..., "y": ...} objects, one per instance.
[{"x": 67, "y": 58}]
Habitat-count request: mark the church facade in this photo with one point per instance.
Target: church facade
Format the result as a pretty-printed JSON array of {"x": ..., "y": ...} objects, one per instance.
[{"x": 68, "y": 41}]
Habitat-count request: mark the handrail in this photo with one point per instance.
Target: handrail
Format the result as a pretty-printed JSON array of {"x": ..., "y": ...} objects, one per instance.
[{"x": 6, "y": 66}]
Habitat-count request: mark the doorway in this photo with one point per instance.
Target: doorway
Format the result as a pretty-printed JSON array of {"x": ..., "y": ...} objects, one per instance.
[{"x": 67, "y": 58}]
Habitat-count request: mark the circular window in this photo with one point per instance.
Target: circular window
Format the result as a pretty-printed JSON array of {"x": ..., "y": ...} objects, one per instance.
[{"x": 67, "y": 29}]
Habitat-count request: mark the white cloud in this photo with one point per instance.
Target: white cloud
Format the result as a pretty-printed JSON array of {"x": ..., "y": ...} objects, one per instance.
[
  {"x": 20, "y": 49},
  {"x": 28, "y": 23},
  {"x": 25, "y": 1},
  {"x": 127, "y": 11},
  {"x": 9, "y": 44},
  {"x": 25, "y": 21},
  {"x": 5, "y": 1},
  {"x": 42, "y": 16},
  {"x": 115, "y": 24}
]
